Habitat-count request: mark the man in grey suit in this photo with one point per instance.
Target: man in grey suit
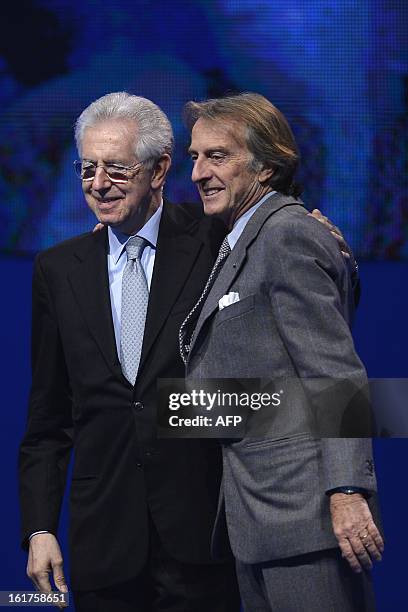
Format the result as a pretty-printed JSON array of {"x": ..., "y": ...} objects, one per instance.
[{"x": 297, "y": 505}]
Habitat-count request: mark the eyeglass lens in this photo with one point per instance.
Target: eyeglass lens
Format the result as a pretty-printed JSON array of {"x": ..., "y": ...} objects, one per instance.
[{"x": 115, "y": 174}]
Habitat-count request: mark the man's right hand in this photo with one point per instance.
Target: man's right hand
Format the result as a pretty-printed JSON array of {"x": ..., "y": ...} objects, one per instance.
[{"x": 44, "y": 557}]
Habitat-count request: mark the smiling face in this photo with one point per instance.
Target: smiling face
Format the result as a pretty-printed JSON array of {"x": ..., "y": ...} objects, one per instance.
[
  {"x": 125, "y": 206},
  {"x": 222, "y": 171}
]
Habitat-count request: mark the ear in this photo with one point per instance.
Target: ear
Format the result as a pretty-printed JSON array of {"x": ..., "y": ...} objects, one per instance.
[
  {"x": 265, "y": 174},
  {"x": 160, "y": 171}
]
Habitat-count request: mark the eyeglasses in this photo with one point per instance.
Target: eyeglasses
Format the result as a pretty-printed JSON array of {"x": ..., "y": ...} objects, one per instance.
[{"x": 117, "y": 173}]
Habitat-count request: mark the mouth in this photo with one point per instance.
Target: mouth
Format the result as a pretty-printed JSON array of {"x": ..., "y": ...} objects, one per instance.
[
  {"x": 210, "y": 192},
  {"x": 106, "y": 203}
]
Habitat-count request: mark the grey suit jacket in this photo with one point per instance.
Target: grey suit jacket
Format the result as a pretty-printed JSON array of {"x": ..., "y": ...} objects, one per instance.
[{"x": 292, "y": 320}]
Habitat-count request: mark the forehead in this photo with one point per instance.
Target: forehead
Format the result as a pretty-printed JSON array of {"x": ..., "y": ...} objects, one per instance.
[
  {"x": 109, "y": 137},
  {"x": 218, "y": 133}
]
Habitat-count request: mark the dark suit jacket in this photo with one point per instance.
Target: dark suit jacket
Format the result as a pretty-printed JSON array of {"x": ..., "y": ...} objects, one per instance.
[
  {"x": 80, "y": 399},
  {"x": 291, "y": 322}
]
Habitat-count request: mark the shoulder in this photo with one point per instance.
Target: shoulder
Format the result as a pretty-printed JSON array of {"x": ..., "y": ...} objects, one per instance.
[
  {"x": 184, "y": 212},
  {"x": 69, "y": 245},
  {"x": 190, "y": 218},
  {"x": 291, "y": 218},
  {"x": 292, "y": 226},
  {"x": 63, "y": 251},
  {"x": 292, "y": 239}
]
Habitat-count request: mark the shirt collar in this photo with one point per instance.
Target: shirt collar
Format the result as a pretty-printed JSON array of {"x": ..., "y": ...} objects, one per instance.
[
  {"x": 150, "y": 232},
  {"x": 241, "y": 222}
]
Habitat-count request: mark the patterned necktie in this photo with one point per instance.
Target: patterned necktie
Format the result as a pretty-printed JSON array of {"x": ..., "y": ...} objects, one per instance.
[
  {"x": 192, "y": 317},
  {"x": 135, "y": 297}
]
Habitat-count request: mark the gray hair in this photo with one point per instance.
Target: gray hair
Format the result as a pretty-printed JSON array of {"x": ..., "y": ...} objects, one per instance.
[{"x": 154, "y": 131}]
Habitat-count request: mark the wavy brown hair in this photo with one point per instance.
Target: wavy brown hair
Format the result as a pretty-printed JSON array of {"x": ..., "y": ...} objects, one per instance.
[{"x": 268, "y": 134}]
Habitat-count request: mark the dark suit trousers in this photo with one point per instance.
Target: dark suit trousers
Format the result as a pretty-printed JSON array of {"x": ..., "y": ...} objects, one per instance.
[
  {"x": 167, "y": 585},
  {"x": 317, "y": 582}
]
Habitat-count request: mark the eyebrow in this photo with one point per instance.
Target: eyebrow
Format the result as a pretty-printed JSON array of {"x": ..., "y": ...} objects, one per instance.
[
  {"x": 105, "y": 161},
  {"x": 220, "y": 149}
]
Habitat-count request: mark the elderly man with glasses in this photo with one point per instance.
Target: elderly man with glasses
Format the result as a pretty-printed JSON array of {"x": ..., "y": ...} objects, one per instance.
[{"x": 107, "y": 307}]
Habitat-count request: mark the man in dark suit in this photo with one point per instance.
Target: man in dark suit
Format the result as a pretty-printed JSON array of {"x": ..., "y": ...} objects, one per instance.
[
  {"x": 279, "y": 306},
  {"x": 141, "y": 509}
]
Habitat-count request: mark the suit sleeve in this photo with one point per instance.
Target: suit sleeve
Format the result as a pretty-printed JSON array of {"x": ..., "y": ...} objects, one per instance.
[
  {"x": 312, "y": 299},
  {"x": 45, "y": 449}
]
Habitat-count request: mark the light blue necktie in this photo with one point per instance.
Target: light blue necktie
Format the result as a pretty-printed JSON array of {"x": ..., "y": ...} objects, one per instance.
[{"x": 135, "y": 297}]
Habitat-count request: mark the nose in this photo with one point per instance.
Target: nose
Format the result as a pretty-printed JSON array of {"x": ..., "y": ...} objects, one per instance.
[
  {"x": 101, "y": 179},
  {"x": 201, "y": 170}
]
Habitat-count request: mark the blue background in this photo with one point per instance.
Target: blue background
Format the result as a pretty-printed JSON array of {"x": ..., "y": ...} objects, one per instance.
[{"x": 337, "y": 69}]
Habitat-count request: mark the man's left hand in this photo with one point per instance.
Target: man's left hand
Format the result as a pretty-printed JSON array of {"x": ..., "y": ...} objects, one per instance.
[
  {"x": 358, "y": 537},
  {"x": 334, "y": 230}
]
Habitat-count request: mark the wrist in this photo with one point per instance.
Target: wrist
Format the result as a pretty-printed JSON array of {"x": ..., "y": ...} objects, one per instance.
[{"x": 349, "y": 491}]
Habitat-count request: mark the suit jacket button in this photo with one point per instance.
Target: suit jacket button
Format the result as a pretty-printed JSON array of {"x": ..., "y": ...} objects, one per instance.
[{"x": 138, "y": 406}]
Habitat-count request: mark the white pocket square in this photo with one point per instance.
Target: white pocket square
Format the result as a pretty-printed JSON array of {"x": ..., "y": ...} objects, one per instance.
[{"x": 228, "y": 299}]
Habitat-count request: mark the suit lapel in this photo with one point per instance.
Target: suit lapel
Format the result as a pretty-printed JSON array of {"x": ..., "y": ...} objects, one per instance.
[
  {"x": 237, "y": 257},
  {"x": 176, "y": 254},
  {"x": 90, "y": 284}
]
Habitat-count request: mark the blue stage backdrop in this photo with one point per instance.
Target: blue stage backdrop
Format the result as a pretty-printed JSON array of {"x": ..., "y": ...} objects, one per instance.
[{"x": 336, "y": 68}]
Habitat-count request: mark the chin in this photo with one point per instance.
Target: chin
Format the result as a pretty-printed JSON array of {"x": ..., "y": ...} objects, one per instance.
[
  {"x": 109, "y": 219},
  {"x": 212, "y": 209},
  {"x": 117, "y": 225}
]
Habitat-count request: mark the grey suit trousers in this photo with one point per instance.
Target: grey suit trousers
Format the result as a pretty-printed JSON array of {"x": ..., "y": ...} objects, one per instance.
[{"x": 316, "y": 582}]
